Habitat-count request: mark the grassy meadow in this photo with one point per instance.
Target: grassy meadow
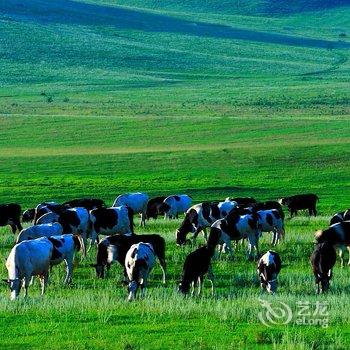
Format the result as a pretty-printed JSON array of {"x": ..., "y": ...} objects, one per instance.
[{"x": 237, "y": 98}]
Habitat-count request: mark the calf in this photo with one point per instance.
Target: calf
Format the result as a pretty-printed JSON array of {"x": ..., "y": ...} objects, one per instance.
[
  {"x": 300, "y": 202},
  {"x": 27, "y": 259},
  {"x": 337, "y": 235},
  {"x": 28, "y": 215},
  {"x": 269, "y": 267},
  {"x": 139, "y": 262},
  {"x": 10, "y": 214},
  {"x": 322, "y": 261},
  {"x": 201, "y": 216},
  {"x": 341, "y": 216},
  {"x": 64, "y": 247},
  {"x": 107, "y": 221},
  {"x": 136, "y": 201},
  {"x": 175, "y": 205},
  {"x": 271, "y": 221},
  {"x": 236, "y": 227},
  {"x": 114, "y": 248},
  {"x": 197, "y": 265},
  {"x": 37, "y": 231},
  {"x": 87, "y": 203},
  {"x": 154, "y": 206}
]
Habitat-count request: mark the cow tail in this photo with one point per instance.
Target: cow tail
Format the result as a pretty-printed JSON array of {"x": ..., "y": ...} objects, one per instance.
[{"x": 131, "y": 219}]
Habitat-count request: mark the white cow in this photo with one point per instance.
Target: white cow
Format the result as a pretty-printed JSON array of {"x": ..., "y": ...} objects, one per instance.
[
  {"x": 175, "y": 205},
  {"x": 136, "y": 201},
  {"x": 139, "y": 262},
  {"x": 37, "y": 231},
  {"x": 28, "y": 259},
  {"x": 64, "y": 248}
]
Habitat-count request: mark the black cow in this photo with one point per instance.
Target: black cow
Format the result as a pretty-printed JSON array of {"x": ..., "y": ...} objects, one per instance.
[
  {"x": 197, "y": 264},
  {"x": 10, "y": 214},
  {"x": 341, "y": 216},
  {"x": 300, "y": 202},
  {"x": 114, "y": 248},
  {"x": 87, "y": 203},
  {"x": 268, "y": 205},
  {"x": 154, "y": 207},
  {"x": 337, "y": 235},
  {"x": 269, "y": 266},
  {"x": 322, "y": 261},
  {"x": 243, "y": 201}
]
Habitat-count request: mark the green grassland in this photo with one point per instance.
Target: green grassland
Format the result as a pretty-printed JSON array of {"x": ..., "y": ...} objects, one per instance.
[{"x": 213, "y": 99}]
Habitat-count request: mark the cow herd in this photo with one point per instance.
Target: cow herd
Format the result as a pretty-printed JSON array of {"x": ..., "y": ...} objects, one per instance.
[{"x": 58, "y": 231}]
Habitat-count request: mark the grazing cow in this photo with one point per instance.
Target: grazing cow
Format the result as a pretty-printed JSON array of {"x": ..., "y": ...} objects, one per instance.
[
  {"x": 48, "y": 218},
  {"x": 114, "y": 248},
  {"x": 87, "y": 203},
  {"x": 136, "y": 201},
  {"x": 37, "y": 231},
  {"x": 322, "y": 261},
  {"x": 337, "y": 235},
  {"x": 27, "y": 259},
  {"x": 47, "y": 207},
  {"x": 236, "y": 227},
  {"x": 76, "y": 221},
  {"x": 197, "y": 264},
  {"x": 109, "y": 221},
  {"x": 175, "y": 205},
  {"x": 10, "y": 214},
  {"x": 242, "y": 201},
  {"x": 269, "y": 266},
  {"x": 341, "y": 216},
  {"x": 271, "y": 221},
  {"x": 154, "y": 206},
  {"x": 139, "y": 262},
  {"x": 28, "y": 215},
  {"x": 64, "y": 247},
  {"x": 201, "y": 216},
  {"x": 300, "y": 202}
]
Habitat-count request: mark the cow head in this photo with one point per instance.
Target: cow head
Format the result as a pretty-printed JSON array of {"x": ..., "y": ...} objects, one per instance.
[
  {"x": 28, "y": 215},
  {"x": 100, "y": 270},
  {"x": 322, "y": 281},
  {"x": 164, "y": 208},
  {"x": 15, "y": 287},
  {"x": 184, "y": 287},
  {"x": 132, "y": 289}
]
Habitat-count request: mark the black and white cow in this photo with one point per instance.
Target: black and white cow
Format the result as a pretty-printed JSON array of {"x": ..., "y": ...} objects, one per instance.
[
  {"x": 322, "y": 261},
  {"x": 28, "y": 259},
  {"x": 268, "y": 205},
  {"x": 28, "y": 215},
  {"x": 174, "y": 205},
  {"x": 47, "y": 207},
  {"x": 242, "y": 201},
  {"x": 48, "y": 218},
  {"x": 87, "y": 203},
  {"x": 338, "y": 235},
  {"x": 201, "y": 216},
  {"x": 271, "y": 221},
  {"x": 114, "y": 248},
  {"x": 236, "y": 227},
  {"x": 341, "y": 216},
  {"x": 10, "y": 214},
  {"x": 197, "y": 265},
  {"x": 136, "y": 201},
  {"x": 139, "y": 262},
  {"x": 64, "y": 248},
  {"x": 37, "y": 231},
  {"x": 154, "y": 207},
  {"x": 110, "y": 221},
  {"x": 269, "y": 266},
  {"x": 301, "y": 202}
]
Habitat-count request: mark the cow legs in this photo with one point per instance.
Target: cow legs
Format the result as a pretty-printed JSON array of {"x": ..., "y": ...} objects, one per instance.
[
  {"x": 143, "y": 219},
  {"x": 348, "y": 249},
  {"x": 69, "y": 269},
  {"x": 13, "y": 228},
  {"x": 199, "y": 285},
  {"x": 341, "y": 254},
  {"x": 252, "y": 244},
  {"x": 163, "y": 267},
  {"x": 227, "y": 241},
  {"x": 211, "y": 278},
  {"x": 43, "y": 281}
]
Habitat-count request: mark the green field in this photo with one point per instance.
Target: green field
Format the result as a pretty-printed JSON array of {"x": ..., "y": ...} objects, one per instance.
[{"x": 208, "y": 98}]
